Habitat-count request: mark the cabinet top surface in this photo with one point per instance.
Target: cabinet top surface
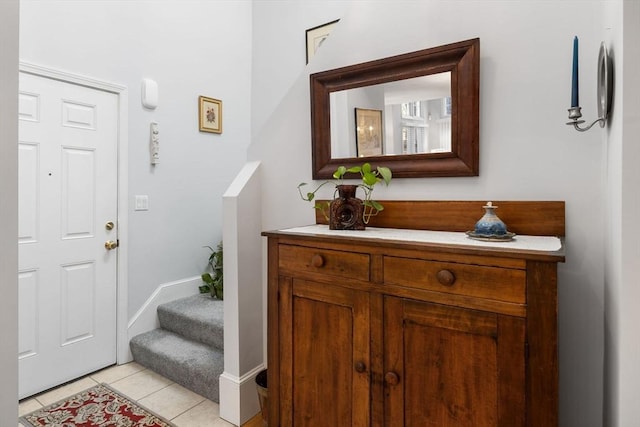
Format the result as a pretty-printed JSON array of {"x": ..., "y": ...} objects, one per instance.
[{"x": 520, "y": 243}]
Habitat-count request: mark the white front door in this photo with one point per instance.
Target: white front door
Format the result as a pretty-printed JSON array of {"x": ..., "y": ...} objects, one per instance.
[{"x": 67, "y": 200}]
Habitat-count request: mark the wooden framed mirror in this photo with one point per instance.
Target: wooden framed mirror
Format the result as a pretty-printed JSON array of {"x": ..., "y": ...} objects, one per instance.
[{"x": 402, "y": 139}]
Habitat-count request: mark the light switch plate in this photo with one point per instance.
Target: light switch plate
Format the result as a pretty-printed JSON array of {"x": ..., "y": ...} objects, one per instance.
[{"x": 142, "y": 203}]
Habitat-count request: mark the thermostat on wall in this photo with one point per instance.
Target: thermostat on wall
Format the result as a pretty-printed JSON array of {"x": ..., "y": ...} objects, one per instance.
[{"x": 149, "y": 93}]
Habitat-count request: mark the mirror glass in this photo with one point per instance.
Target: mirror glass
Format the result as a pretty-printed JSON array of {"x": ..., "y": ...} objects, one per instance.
[
  {"x": 409, "y": 116},
  {"x": 416, "y": 113}
]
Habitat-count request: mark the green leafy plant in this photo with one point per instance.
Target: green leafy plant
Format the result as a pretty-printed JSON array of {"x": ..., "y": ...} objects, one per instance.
[
  {"x": 213, "y": 281},
  {"x": 369, "y": 177}
]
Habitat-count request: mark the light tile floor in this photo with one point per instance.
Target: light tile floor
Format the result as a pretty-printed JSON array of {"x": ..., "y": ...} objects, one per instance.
[{"x": 182, "y": 407}]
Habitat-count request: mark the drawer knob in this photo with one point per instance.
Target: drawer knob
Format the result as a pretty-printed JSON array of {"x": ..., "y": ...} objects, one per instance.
[
  {"x": 391, "y": 378},
  {"x": 317, "y": 261},
  {"x": 446, "y": 277},
  {"x": 360, "y": 367}
]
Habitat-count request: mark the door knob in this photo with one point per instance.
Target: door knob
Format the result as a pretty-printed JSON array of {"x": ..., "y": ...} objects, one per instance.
[{"x": 110, "y": 244}]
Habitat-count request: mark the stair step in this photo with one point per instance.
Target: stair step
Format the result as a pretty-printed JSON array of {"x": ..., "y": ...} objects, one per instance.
[
  {"x": 198, "y": 317},
  {"x": 193, "y": 365}
]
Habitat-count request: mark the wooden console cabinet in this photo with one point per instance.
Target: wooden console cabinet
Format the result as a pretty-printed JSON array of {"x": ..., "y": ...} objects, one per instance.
[{"x": 371, "y": 330}]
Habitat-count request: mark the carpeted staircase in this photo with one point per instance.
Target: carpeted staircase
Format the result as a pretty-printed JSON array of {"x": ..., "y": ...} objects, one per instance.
[{"x": 188, "y": 347}]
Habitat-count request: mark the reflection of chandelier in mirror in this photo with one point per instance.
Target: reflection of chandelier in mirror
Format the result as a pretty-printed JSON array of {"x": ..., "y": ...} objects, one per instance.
[{"x": 362, "y": 126}]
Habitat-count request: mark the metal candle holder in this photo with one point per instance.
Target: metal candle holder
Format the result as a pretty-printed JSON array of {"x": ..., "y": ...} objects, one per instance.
[{"x": 605, "y": 94}]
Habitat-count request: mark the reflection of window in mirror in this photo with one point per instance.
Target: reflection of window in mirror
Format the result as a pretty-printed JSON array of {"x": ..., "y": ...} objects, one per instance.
[
  {"x": 444, "y": 128},
  {"x": 411, "y": 109},
  {"x": 425, "y": 126},
  {"x": 414, "y": 139},
  {"x": 446, "y": 106},
  {"x": 414, "y": 130}
]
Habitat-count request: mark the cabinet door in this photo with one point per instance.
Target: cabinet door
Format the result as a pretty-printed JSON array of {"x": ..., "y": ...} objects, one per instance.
[
  {"x": 448, "y": 366},
  {"x": 324, "y": 355}
]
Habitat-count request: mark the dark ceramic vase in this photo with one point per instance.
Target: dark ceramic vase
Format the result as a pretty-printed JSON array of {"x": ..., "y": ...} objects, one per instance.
[{"x": 345, "y": 211}]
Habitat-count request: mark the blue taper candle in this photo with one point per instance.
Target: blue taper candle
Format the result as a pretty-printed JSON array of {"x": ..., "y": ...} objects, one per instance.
[{"x": 574, "y": 80}]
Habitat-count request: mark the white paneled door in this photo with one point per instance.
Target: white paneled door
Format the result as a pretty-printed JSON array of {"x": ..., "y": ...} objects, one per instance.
[{"x": 67, "y": 217}]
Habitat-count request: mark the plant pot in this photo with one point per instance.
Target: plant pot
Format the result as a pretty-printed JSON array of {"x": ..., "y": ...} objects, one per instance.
[
  {"x": 346, "y": 211},
  {"x": 263, "y": 394}
]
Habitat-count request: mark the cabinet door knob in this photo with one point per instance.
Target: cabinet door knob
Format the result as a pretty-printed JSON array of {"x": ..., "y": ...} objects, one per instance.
[
  {"x": 317, "y": 261},
  {"x": 446, "y": 277},
  {"x": 360, "y": 367},
  {"x": 391, "y": 378}
]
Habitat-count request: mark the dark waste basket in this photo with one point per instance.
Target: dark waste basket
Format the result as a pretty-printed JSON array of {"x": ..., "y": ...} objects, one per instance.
[{"x": 261, "y": 385}]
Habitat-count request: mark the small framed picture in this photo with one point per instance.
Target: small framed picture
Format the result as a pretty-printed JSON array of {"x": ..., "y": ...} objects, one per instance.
[
  {"x": 210, "y": 114},
  {"x": 317, "y": 35},
  {"x": 368, "y": 132}
]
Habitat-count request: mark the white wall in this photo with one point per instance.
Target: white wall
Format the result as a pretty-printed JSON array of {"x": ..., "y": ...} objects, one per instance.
[
  {"x": 279, "y": 49},
  {"x": 9, "y": 211},
  {"x": 243, "y": 299},
  {"x": 629, "y": 339},
  {"x": 622, "y": 342},
  {"x": 526, "y": 150},
  {"x": 191, "y": 48}
]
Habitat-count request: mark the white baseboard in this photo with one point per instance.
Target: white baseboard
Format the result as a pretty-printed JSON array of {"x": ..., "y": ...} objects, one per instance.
[
  {"x": 146, "y": 318},
  {"x": 239, "y": 397}
]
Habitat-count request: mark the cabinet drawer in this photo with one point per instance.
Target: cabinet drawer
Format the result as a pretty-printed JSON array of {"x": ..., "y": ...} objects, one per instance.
[
  {"x": 501, "y": 284},
  {"x": 302, "y": 259}
]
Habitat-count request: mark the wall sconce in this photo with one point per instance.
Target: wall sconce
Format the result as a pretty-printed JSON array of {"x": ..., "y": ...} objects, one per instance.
[{"x": 605, "y": 89}]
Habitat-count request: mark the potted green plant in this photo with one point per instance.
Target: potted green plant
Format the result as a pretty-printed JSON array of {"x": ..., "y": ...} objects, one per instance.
[
  {"x": 345, "y": 211},
  {"x": 213, "y": 282}
]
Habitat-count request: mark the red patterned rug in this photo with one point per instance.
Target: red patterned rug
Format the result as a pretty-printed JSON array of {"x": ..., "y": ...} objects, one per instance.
[{"x": 99, "y": 406}]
